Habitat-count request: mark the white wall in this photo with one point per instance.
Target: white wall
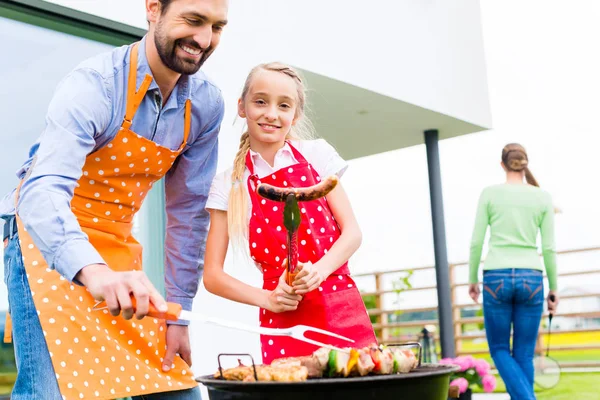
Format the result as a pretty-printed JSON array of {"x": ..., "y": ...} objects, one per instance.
[{"x": 428, "y": 53}]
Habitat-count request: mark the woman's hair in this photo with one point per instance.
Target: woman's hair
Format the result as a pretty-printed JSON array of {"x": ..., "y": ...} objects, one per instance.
[
  {"x": 514, "y": 158},
  {"x": 302, "y": 130}
]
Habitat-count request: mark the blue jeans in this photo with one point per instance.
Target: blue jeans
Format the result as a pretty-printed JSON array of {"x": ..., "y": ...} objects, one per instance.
[
  {"x": 513, "y": 298},
  {"x": 35, "y": 377}
]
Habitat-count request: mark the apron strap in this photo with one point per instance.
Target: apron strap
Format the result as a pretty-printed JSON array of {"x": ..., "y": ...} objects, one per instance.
[
  {"x": 249, "y": 163},
  {"x": 187, "y": 122},
  {"x": 297, "y": 155},
  {"x": 134, "y": 98}
]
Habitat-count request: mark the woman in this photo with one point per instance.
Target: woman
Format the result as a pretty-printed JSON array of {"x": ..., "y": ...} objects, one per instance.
[{"x": 513, "y": 287}]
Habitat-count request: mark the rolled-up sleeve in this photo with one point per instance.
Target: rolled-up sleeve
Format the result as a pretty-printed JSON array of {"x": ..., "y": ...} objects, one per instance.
[
  {"x": 80, "y": 108},
  {"x": 186, "y": 188}
]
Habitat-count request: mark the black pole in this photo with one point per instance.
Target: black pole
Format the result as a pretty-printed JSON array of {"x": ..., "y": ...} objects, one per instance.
[{"x": 439, "y": 244}]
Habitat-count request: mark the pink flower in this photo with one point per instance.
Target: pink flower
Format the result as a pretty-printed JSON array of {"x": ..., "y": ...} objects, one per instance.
[
  {"x": 463, "y": 362},
  {"x": 482, "y": 367},
  {"x": 489, "y": 383},
  {"x": 471, "y": 361},
  {"x": 462, "y": 384}
]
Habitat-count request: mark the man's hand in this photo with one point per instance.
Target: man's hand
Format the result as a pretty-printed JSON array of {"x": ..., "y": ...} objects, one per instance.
[
  {"x": 116, "y": 289},
  {"x": 178, "y": 342},
  {"x": 474, "y": 291}
]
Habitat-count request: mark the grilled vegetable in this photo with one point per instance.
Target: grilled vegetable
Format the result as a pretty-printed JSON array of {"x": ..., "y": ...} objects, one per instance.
[
  {"x": 373, "y": 359},
  {"x": 309, "y": 193},
  {"x": 338, "y": 363},
  {"x": 383, "y": 360},
  {"x": 404, "y": 360},
  {"x": 352, "y": 365}
]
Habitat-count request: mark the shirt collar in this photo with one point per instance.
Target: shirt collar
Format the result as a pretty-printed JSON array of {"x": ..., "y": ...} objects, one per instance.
[
  {"x": 285, "y": 149},
  {"x": 181, "y": 91}
]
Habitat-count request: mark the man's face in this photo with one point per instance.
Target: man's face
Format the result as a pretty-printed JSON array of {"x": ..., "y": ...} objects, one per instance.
[{"x": 187, "y": 32}]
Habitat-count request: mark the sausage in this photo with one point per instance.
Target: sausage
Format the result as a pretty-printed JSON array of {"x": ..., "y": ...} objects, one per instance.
[{"x": 309, "y": 193}]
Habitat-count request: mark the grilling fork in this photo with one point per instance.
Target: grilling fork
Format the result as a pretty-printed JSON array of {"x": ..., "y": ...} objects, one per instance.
[{"x": 175, "y": 312}]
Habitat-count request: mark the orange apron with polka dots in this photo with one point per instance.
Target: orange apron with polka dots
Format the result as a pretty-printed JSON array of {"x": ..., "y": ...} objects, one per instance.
[{"x": 96, "y": 355}]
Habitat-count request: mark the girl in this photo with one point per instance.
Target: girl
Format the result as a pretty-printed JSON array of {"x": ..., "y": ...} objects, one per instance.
[
  {"x": 273, "y": 151},
  {"x": 512, "y": 277}
]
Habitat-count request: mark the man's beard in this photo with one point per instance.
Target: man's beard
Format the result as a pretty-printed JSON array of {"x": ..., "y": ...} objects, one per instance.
[{"x": 167, "y": 53}]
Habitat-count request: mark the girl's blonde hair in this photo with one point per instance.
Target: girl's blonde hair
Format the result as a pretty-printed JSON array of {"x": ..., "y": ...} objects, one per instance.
[
  {"x": 303, "y": 130},
  {"x": 514, "y": 158}
]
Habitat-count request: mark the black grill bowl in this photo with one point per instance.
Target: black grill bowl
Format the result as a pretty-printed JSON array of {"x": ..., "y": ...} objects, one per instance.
[{"x": 427, "y": 382}]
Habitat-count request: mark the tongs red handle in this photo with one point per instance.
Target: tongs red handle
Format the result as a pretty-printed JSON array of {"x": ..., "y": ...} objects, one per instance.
[{"x": 172, "y": 314}]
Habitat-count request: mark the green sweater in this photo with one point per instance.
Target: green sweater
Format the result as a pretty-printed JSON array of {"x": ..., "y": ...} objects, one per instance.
[{"x": 515, "y": 213}]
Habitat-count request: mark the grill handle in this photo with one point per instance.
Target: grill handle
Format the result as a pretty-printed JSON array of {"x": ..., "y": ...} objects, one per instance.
[{"x": 236, "y": 355}]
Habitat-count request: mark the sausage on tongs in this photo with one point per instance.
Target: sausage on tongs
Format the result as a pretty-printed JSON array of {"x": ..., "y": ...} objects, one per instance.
[{"x": 308, "y": 193}]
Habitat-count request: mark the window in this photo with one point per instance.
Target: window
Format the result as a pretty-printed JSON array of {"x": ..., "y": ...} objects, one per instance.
[{"x": 34, "y": 60}]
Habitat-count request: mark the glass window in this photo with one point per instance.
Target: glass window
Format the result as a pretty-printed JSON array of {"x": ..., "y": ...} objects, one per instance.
[{"x": 34, "y": 60}]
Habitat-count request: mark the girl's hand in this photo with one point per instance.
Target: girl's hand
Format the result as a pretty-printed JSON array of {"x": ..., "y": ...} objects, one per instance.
[
  {"x": 308, "y": 278},
  {"x": 474, "y": 291},
  {"x": 282, "y": 298}
]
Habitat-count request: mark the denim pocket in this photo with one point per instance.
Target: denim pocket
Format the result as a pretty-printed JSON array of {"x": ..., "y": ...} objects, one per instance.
[
  {"x": 492, "y": 290},
  {"x": 532, "y": 291}
]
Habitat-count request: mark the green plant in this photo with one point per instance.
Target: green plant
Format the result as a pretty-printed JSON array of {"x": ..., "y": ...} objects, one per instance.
[
  {"x": 371, "y": 303},
  {"x": 402, "y": 284}
]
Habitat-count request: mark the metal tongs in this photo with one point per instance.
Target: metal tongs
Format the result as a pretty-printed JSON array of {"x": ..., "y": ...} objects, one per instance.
[
  {"x": 291, "y": 221},
  {"x": 175, "y": 312},
  {"x": 291, "y": 212}
]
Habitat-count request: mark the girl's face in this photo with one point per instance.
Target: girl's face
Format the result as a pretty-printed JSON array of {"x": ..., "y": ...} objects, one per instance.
[{"x": 269, "y": 107}]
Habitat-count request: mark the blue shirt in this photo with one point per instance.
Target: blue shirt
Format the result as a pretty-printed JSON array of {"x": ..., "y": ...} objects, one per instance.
[{"x": 84, "y": 115}]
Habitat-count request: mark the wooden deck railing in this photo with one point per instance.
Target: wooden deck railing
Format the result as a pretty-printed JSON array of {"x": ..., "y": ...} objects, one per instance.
[{"x": 385, "y": 328}]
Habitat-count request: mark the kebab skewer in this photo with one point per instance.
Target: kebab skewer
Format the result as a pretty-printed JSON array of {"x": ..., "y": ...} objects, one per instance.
[{"x": 371, "y": 360}]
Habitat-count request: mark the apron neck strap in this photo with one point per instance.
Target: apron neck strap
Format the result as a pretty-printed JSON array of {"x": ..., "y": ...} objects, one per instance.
[
  {"x": 134, "y": 98},
  {"x": 187, "y": 121},
  {"x": 249, "y": 163},
  {"x": 297, "y": 155}
]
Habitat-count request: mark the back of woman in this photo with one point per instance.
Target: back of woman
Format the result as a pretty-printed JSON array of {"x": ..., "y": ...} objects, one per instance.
[
  {"x": 513, "y": 287},
  {"x": 515, "y": 212}
]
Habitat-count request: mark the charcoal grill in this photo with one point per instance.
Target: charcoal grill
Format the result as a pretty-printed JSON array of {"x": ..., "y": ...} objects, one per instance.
[{"x": 426, "y": 382}]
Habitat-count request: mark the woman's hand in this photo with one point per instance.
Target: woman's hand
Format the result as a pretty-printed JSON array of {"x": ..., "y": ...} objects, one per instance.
[
  {"x": 282, "y": 298},
  {"x": 552, "y": 304},
  {"x": 474, "y": 291},
  {"x": 309, "y": 277}
]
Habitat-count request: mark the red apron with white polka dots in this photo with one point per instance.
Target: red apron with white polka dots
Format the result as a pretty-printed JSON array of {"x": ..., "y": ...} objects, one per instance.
[
  {"x": 337, "y": 305},
  {"x": 96, "y": 355}
]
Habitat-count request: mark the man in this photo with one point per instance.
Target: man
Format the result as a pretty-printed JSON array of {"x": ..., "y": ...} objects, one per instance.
[{"x": 117, "y": 123}]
